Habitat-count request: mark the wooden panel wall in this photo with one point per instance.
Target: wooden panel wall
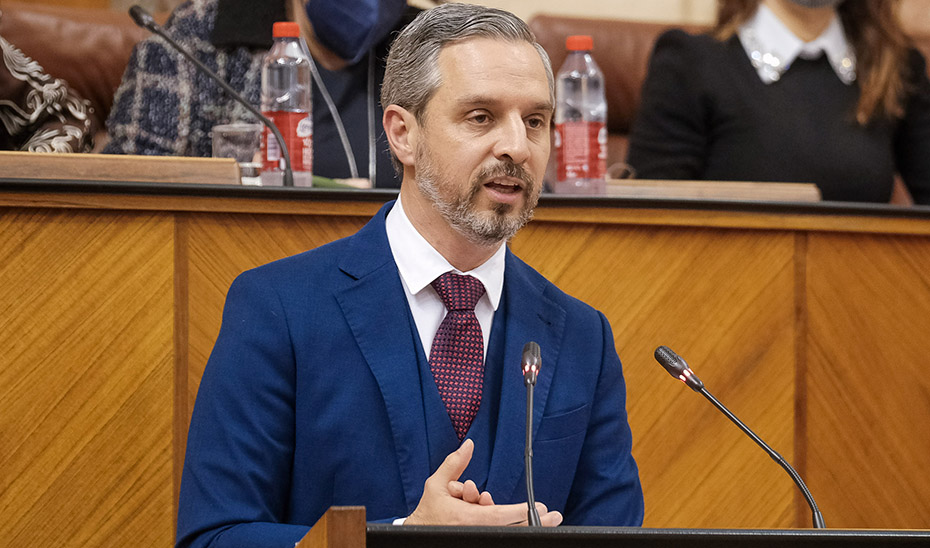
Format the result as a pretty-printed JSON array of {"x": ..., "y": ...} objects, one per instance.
[
  {"x": 810, "y": 329},
  {"x": 86, "y": 378},
  {"x": 724, "y": 301},
  {"x": 868, "y": 391}
]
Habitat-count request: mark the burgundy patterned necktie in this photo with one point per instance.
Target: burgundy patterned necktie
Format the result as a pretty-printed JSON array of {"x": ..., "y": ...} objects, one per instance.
[{"x": 457, "y": 355}]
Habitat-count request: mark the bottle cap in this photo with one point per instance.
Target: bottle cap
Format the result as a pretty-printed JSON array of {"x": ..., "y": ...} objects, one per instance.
[
  {"x": 285, "y": 29},
  {"x": 579, "y": 43}
]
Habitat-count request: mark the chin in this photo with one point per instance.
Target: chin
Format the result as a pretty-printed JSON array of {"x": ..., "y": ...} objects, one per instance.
[{"x": 502, "y": 210}]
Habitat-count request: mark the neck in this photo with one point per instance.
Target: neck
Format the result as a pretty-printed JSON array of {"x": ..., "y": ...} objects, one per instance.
[
  {"x": 449, "y": 242},
  {"x": 806, "y": 23}
]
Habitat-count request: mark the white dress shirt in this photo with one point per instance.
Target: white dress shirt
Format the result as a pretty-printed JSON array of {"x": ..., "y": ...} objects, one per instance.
[
  {"x": 419, "y": 264},
  {"x": 772, "y": 47}
]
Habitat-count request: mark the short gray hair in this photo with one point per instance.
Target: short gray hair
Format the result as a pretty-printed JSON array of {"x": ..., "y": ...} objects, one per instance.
[{"x": 411, "y": 76}]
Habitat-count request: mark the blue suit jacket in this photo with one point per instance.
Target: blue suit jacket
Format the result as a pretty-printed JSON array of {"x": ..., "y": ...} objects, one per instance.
[{"x": 317, "y": 394}]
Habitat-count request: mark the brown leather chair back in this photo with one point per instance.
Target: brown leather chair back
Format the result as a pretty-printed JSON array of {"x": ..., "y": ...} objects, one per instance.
[
  {"x": 89, "y": 48},
  {"x": 622, "y": 49}
]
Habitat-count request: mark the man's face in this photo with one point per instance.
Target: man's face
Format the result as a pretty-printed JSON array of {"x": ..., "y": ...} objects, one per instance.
[{"x": 484, "y": 140}]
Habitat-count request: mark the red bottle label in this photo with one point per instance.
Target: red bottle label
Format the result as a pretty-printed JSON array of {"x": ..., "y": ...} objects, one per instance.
[
  {"x": 297, "y": 130},
  {"x": 581, "y": 150}
]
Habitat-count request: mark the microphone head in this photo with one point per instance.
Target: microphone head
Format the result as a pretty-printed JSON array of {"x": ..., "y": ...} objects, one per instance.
[
  {"x": 142, "y": 18},
  {"x": 672, "y": 362},
  {"x": 532, "y": 361},
  {"x": 678, "y": 367}
]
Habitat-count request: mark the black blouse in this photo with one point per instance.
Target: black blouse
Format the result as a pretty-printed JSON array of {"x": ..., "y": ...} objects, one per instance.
[{"x": 705, "y": 114}]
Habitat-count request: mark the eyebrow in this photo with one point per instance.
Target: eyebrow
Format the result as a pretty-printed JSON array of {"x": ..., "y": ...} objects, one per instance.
[
  {"x": 483, "y": 100},
  {"x": 545, "y": 107}
]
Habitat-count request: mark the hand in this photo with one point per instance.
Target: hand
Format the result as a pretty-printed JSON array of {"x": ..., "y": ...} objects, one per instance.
[
  {"x": 468, "y": 492},
  {"x": 446, "y": 501}
]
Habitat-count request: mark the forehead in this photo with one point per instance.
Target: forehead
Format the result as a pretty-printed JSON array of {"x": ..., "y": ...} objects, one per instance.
[{"x": 495, "y": 69}]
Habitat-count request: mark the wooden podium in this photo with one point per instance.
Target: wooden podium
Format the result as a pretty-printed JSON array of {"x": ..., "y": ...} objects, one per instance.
[
  {"x": 340, "y": 527},
  {"x": 118, "y": 167},
  {"x": 345, "y": 527},
  {"x": 809, "y": 320}
]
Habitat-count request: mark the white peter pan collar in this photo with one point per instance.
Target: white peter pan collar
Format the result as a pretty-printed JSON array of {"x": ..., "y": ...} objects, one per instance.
[{"x": 772, "y": 47}]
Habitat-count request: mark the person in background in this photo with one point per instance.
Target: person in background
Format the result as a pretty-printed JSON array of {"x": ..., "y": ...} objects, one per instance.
[
  {"x": 383, "y": 369},
  {"x": 818, "y": 91},
  {"x": 164, "y": 106},
  {"x": 39, "y": 113}
]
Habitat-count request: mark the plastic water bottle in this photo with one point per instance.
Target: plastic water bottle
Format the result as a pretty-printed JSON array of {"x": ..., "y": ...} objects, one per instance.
[
  {"x": 580, "y": 122},
  {"x": 287, "y": 100}
]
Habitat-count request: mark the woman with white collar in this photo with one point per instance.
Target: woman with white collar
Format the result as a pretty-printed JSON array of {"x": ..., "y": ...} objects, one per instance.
[{"x": 821, "y": 91}]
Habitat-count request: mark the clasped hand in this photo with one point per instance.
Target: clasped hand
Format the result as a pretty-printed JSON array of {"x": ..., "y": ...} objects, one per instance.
[{"x": 447, "y": 501}]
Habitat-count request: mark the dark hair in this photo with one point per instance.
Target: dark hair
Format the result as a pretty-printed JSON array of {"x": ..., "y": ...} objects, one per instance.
[
  {"x": 412, "y": 73},
  {"x": 874, "y": 31}
]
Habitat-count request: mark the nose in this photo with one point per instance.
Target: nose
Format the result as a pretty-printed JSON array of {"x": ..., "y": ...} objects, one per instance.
[{"x": 513, "y": 141}]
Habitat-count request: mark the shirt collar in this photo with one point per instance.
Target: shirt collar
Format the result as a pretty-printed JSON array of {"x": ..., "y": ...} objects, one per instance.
[
  {"x": 772, "y": 47},
  {"x": 419, "y": 263}
]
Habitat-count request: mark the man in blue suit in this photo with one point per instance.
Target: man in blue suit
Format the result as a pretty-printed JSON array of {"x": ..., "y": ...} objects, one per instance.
[{"x": 326, "y": 386}]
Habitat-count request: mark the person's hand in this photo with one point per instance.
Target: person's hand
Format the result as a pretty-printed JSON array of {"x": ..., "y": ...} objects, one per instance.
[
  {"x": 468, "y": 492},
  {"x": 446, "y": 501}
]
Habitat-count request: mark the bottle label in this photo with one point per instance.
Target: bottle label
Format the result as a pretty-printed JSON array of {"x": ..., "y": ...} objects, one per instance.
[
  {"x": 297, "y": 130},
  {"x": 581, "y": 150}
]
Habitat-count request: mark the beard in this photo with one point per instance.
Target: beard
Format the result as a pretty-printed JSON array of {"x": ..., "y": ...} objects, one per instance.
[{"x": 460, "y": 209}]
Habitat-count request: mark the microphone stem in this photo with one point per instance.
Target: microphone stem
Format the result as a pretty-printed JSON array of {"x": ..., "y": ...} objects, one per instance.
[
  {"x": 288, "y": 173},
  {"x": 817, "y": 516},
  {"x": 532, "y": 514}
]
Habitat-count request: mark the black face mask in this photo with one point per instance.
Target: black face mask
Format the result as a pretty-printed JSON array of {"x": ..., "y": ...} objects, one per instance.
[{"x": 350, "y": 28}]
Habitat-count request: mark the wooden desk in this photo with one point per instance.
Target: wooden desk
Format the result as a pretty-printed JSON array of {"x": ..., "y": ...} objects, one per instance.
[
  {"x": 807, "y": 321},
  {"x": 345, "y": 527}
]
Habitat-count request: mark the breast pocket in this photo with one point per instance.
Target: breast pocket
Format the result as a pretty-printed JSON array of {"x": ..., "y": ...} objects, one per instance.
[
  {"x": 564, "y": 424},
  {"x": 556, "y": 450}
]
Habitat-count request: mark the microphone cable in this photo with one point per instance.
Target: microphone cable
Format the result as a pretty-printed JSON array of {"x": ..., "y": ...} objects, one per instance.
[{"x": 337, "y": 119}]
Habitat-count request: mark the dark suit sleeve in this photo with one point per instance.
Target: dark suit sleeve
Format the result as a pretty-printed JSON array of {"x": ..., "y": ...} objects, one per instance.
[
  {"x": 237, "y": 471},
  {"x": 606, "y": 489},
  {"x": 669, "y": 136},
  {"x": 912, "y": 141}
]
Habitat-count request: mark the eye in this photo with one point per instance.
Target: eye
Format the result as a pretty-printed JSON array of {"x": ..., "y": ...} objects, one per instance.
[
  {"x": 535, "y": 122},
  {"x": 479, "y": 117}
]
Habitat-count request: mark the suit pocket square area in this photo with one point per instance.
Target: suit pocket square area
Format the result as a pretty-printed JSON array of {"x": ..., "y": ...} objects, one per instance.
[{"x": 563, "y": 424}]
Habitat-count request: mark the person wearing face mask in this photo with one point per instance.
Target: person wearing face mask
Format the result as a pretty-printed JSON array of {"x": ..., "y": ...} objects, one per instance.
[
  {"x": 164, "y": 106},
  {"x": 820, "y": 91}
]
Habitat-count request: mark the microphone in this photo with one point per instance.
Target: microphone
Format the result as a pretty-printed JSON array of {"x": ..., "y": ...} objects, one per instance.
[
  {"x": 531, "y": 364},
  {"x": 679, "y": 368},
  {"x": 146, "y": 21}
]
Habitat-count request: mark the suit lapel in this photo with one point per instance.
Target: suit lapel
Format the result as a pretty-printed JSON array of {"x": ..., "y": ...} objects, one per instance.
[
  {"x": 529, "y": 316},
  {"x": 372, "y": 306},
  {"x": 372, "y": 303}
]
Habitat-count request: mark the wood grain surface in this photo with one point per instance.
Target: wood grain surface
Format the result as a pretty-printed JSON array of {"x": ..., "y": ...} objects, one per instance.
[
  {"x": 86, "y": 376},
  {"x": 340, "y": 527},
  {"x": 721, "y": 299},
  {"x": 809, "y": 327},
  {"x": 868, "y": 392},
  {"x": 714, "y": 190},
  {"x": 119, "y": 167}
]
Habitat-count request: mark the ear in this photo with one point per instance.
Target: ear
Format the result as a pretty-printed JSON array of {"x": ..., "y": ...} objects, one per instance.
[{"x": 402, "y": 131}]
